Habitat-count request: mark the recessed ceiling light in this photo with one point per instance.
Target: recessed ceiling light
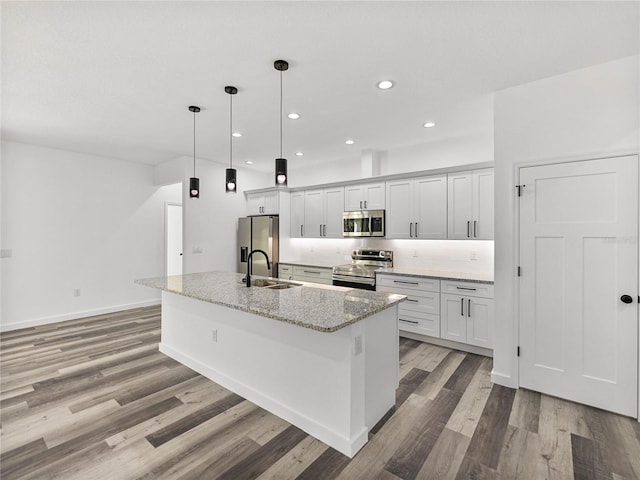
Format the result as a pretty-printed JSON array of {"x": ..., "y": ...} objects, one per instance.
[
  {"x": 349, "y": 142},
  {"x": 248, "y": 162},
  {"x": 299, "y": 154},
  {"x": 429, "y": 124},
  {"x": 236, "y": 134},
  {"x": 294, "y": 116},
  {"x": 385, "y": 84}
]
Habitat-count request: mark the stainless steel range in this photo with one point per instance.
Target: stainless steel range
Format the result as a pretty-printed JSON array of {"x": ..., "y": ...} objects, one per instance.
[{"x": 360, "y": 273}]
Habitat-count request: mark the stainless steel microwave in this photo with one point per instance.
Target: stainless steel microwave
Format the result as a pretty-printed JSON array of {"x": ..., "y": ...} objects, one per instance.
[{"x": 363, "y": 223}]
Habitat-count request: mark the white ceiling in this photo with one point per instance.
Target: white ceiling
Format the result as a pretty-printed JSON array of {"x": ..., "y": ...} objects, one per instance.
[{"x": 115, "y": 78}]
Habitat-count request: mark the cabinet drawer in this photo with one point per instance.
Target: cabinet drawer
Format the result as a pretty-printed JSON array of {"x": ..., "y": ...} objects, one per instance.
[
  {"x": 417, "y": 300},
  {"x": 409, "y": 283},
  {"x": 302, "y": 278},
  {"x": 313, "y": 273},
  {"x": 468, "y": 289},
  {"x": 284, "y": 268},
  {"x": 424, "y": 324}
]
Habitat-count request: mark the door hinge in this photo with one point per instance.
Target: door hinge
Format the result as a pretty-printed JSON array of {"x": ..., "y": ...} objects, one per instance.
[
  {"x": 520, "y": 187},
  {"x": 519, "y": 271},
  {"x": 518, "y": 350}
]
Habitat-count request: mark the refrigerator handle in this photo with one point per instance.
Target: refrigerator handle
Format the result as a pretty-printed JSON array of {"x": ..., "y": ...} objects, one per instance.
[{"x": 244, "y": 252}]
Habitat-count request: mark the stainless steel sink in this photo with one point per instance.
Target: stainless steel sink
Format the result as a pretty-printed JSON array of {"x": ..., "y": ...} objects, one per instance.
[{"x": 273, "y": 284}]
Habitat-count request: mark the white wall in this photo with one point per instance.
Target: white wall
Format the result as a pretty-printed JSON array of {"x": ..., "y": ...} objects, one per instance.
[
  {"x": 582, "y": 114},
  {"x": 211, "y": 221},
  {"x": 472, "y": 147},
  {"x": 77, "y": 221}
]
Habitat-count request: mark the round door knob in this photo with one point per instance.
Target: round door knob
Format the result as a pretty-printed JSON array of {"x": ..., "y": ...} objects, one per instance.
[{"x": 626, "y": 299}]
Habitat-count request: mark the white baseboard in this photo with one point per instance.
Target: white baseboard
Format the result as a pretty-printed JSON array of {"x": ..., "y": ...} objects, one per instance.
[
  {"x": 347, "y": 446},
  {"x": 75, "y": 315}
]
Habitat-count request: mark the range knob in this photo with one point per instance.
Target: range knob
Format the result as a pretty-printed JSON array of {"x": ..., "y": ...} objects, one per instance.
[{"x": 381, "y": 254}]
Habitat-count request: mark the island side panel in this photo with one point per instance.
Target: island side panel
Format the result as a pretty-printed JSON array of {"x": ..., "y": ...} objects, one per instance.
[
  {"x": 314, "y": 380},
  {"x": 382, "y": 363}
]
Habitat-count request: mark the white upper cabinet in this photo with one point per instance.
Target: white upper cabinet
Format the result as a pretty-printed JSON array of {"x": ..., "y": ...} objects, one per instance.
[
  {"x": 317, "y": 213},
  {"x": 333, "y": 208},
  {"x": 369, "y": 196},
  {"x": 417, "y": 208},
  {"x": 297, "y": 214},
  {"x": 266, "y": 203},
  {"x": 483, "y": 204},
  {"x": 470, "y": 205}
]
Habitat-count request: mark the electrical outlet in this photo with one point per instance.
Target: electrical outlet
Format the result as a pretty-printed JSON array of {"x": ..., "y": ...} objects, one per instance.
[
  {"x": 473, "y": 256},
  {"x": 76, "y": 292},
  {"x": 197, "y": 250},
  {"x": 6, "y": 253},
  {"x": 415, "y": 253},
  {"x": 214, "y": 336}
]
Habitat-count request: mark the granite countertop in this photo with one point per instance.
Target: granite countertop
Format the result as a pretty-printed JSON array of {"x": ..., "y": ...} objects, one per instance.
[
  {"x": 440, "y": 274},
  {"x": 319, "y": 307}
]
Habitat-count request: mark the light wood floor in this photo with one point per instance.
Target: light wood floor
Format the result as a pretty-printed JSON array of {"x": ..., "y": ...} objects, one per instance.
[{"x": 94, "y": 399}]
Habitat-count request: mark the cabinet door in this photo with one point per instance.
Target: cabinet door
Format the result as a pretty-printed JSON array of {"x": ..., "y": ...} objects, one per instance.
[
  {"x": 483, "y": 204},
  {"x": 297, "y": 215},
  {"x": 453, "y": 321},
  {"x": 333, "y": 208},
  {"x": 270, "y": 203},
  {"x": 254, "y": 203},
  {"x": 430, "y": 207},
  {"x": 313, "y": 215},
  {"x": 353, "y": 197},
  {"x": 480, "y": 314},
  {"x": 399, "y": 212},
  {"x": 460, "y": 205},
  {"x": 374, "y": 196}
]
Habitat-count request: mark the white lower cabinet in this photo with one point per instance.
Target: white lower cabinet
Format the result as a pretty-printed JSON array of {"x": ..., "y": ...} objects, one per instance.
[
  {"x": 304, "y": 273},
  {"x": 464, "y": 316},
  {"x": 467, "y": 318},
  {"x": 420, "y": 312}
]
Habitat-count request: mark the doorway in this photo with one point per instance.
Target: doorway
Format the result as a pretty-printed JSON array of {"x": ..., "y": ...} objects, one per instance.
[
  {"x": 578, "y": 306},
  {"x": 173, "y": 238}
]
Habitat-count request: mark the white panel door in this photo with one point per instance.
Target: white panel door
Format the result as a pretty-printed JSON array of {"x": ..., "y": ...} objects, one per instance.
[
  {"x": 430, "y": 207},
  {"x": 399, "y": 214},
  {"x": 579, "y": 256},
  {"x": 460, "y": 205}
]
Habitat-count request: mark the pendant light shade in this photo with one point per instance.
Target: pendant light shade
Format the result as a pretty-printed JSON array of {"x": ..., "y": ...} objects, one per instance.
[
  {"x": 194, "y": 182},
  {"x": 231, "y": 185},
  {"x": 281, "y": 163},
  {"x": 281, "y": 171}
]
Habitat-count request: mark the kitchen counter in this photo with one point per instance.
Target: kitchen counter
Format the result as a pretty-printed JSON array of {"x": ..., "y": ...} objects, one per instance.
[
  {"x": 322, "y": 308},
  {"x": 335, "y": 378},
  {"x": 439, "y": 274}
]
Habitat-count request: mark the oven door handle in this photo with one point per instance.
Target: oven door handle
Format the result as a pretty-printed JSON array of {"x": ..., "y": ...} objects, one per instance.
[{"x": 353, "y": 279}]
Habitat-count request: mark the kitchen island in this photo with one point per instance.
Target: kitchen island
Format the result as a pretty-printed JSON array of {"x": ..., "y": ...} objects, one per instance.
[{"x": 323, "y": 358}]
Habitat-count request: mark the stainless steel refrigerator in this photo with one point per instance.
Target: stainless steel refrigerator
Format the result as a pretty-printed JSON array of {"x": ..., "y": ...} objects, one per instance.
[{"x": 258, "y": 233}]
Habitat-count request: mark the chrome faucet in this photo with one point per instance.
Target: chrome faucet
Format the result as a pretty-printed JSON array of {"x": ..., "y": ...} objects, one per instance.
[{"x": 248, "y": 277}]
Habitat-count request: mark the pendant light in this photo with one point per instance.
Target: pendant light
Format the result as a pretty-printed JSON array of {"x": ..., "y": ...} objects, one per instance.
[
  {"x": 281, "y": 163},
  {"x": 194, "y": 182},
  {"x": 230, "y": 182}
]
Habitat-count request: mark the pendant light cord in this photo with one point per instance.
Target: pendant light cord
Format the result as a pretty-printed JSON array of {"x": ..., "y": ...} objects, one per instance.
[
  {"x": 280, "y": 113},
  {"x": 231, "y": 131},
  {"x": 194, "y": 143}
]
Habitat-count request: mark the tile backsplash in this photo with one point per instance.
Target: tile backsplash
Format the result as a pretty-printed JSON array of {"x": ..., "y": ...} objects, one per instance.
[{"x": 473, "y": 256}]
